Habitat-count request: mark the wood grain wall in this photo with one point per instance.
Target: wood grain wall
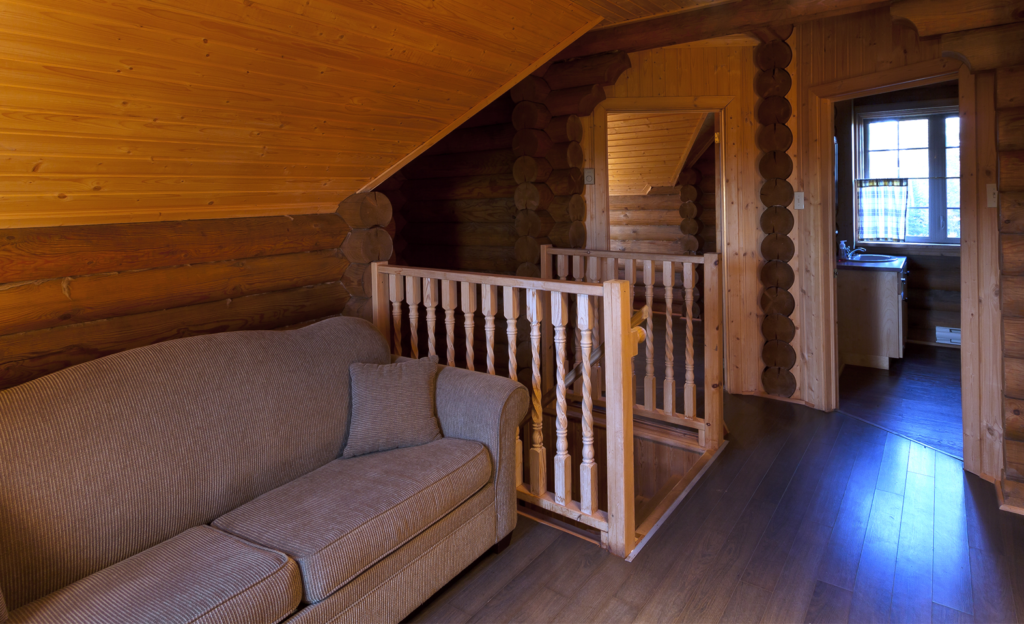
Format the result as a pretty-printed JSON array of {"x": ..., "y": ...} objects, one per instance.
[
  {"x": 72, "y": 294},
  {"x": 151, "y": 110}
]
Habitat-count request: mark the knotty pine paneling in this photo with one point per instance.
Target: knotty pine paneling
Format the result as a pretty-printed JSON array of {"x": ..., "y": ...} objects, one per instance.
[
  {"x": 77, "y": 293},
  {"x": 648, "y": 149},
  {"x": 618, "y": 11},
  {"x": 152, "y": 110}
]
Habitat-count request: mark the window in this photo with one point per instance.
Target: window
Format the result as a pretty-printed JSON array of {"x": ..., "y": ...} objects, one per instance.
[{"x": 923, "y": 147}]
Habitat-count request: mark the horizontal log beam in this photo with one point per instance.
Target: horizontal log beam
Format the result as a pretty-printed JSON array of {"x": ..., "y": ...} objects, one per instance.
[
  {"x": 45, "y": 253},
  {"x": 707, "y": 23}
]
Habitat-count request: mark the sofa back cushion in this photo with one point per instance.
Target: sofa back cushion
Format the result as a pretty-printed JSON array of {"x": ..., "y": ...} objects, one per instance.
[{"x": 103, "y": 460}]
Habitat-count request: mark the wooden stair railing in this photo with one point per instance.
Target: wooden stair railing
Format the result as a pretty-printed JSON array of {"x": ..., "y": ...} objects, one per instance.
[
  {"x": 601, "y": 321},
  {"x": 591, "y": 265}
]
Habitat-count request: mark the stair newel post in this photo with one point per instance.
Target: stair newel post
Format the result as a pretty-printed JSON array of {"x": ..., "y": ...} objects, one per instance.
[
  {"x": 469, "y": 310},
  {"x": 714, "y": 373},
  {"x": 689, "y": 389},
  {"x": 538, "y": 455},
  {"x": 585, "y": 318},
  {"x": 650, "y": 383},
  {"x": 563, "y": 462},
  {"x": 396, "y": 287},
  {"x": 510, "y": 299},
  {"x": 620, "y": 348},
  {"x": 489, "y": 306},
  {"x": 380, "y": 297},
  {"x": 413, "y": 294},
  {"x": 449, "y": 301},
  {"x": 430, "y": 302},
  {"x": 668, "y": 275}
]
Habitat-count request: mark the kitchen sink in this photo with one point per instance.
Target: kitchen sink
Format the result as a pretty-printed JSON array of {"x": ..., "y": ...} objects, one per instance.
[{"x": 872, "y": 258}]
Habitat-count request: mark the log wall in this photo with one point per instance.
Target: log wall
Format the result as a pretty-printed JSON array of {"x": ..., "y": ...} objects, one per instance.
[
  {"x": 76, "y": 293},
  {"x": 508, "y": 180}
]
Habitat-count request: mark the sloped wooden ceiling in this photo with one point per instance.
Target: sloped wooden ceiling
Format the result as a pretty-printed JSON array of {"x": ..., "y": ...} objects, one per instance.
[
  {"x": 618, "y": 11},
  {"x": 144, "y": 110},
  {"x": 648, "y": 149}
]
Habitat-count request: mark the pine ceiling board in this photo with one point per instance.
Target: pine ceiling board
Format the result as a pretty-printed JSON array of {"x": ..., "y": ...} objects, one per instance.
[
  {"x": 619, "y": 11},
  {"x": 647, "y": 148},
  {"x": 167, "y": 109}
]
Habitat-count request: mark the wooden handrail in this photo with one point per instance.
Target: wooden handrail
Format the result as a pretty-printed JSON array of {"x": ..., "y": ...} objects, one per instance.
[
  {"x": 625, "y": 255},
  {"x": 572, "y": 288}
]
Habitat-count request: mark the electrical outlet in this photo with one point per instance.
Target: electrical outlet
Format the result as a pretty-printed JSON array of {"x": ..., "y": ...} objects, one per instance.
[
  {"x": 992, "y": 194},
  {"x": 798, "y": 200},
  {"x": 588, "y": 176}
]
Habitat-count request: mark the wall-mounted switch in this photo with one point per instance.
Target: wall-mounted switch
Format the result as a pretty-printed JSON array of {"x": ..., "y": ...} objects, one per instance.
[
  {"x": 588, "y": 176},
  {"x": 798, "y": 200},
  {"x": 992, "y": 194}
]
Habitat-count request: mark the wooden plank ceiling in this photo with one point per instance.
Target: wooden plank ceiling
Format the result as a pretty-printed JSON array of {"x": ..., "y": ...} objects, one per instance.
[
  {"x": 648, "y": 149},
  {"x": 145, "y": 110},
  {"x": 619, "y": 11}
]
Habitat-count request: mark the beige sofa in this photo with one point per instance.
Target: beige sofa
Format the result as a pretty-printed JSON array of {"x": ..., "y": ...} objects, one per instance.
[{"x": 199, "y": 480}]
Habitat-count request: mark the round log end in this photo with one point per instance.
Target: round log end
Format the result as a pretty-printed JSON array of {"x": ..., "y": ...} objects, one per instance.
[
  {"x": 527, "y": 196},
  {"x": 777, "y": 301},
  {"x": 527, "y": 249},
  {"x": 778, "y": 382},
  {"x": 688, "y": 210},
  {"x": 773, "y": 82},
  {"x": 688, "y": 192},
  {"x": 690, "y": 243},
  {"x": 772, "y": 54},
  {"x": 777, "y": 220},
  {"x": 690, "y": 226},
  {"x": 530, "y": 115},
  {"x": 776, "y": 192},
  {"x": 778, "y": 327},
  {"x": 777, "y": 274},
  {"x": 365, "y": 210},
  {"x": 528, "y": 269},
  {"x": 774, "y": 110},
  {"x": 778, "y": 354},
  {"x": 359, "y": 307},
  {"x": 778, "y": 247},
  {"x": 775, "y": 165},
  {"x": 774, "y": 138},
  {"x": 689, "y": 176}
]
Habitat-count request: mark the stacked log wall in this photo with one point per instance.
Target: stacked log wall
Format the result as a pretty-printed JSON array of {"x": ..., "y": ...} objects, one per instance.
[{"x": 510, "y": 179}]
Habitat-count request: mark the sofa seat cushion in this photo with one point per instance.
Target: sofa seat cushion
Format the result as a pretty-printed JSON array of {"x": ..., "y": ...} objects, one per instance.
[
  {"x": 342, "y": 518},
  {"x": 201, "y": 575}
]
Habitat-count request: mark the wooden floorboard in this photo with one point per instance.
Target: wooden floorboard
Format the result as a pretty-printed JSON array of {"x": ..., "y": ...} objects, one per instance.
[
  {"x": 917, "y": 398},
  {"x": 805, "y": 516}
]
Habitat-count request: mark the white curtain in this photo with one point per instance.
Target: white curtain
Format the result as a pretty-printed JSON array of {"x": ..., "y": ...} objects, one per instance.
[{"x": 882, "y": 210}]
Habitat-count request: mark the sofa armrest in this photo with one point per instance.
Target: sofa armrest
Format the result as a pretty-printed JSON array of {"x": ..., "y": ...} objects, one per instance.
[{"x": 488, "y": 409}]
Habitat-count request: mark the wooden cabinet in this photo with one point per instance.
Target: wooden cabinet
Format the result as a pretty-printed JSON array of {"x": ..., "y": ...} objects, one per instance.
[{"x": 872, "y": 309}]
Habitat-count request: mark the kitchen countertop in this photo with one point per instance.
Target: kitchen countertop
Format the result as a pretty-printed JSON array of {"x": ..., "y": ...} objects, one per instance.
[{"x": 898, "y": 263}]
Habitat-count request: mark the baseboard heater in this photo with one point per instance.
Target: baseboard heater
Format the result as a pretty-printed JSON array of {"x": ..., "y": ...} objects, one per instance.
[{"x": 947, "y": 335}]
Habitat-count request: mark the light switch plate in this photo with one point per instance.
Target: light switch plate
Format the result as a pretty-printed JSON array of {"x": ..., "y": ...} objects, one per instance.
[
  {"x": 588, "y": 176},
  {"x": 798, "y": 200},
  {"x": 992, "y": 194}
]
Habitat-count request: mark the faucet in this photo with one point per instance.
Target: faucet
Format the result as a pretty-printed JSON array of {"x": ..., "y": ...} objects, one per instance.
[{"x": 846, "y": 253}]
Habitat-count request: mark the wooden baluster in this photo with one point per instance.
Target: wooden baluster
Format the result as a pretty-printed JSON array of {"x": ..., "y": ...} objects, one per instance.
[
  {"x": 511, "y": 301},
  {"x": 689, "y": 389},
  {"x": 413, "y": 294},
  {"x": 510, "y": 298},
  {"x": 585, "y": 318},
  {"x": 489, "y": 306},
  {"x": 668, "y": 275},
  {"x": 538, "y": 455},
  {"x": 397, "y": 288},
  {"x": 563, "y": 461},
  {"x": 430, "y": 301},
  {"x": 629, "y": 264},
  {"x": 594, "y": 275},
  {"x": 449, "y": 301},
  {"x": 563, "y": 267},
  {"x": 579, "y": 273},
  {"x": 577, "y": 268},
  {"x": 469, "y": 310},
  {"x": 650, "y": 384}
]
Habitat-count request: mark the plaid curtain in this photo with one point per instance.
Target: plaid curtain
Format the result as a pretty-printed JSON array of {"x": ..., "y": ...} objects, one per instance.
[{"x": 882, "y": 210}]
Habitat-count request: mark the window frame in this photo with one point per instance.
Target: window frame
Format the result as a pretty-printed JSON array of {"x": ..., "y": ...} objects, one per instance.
[{"x": 936, "y": 113}]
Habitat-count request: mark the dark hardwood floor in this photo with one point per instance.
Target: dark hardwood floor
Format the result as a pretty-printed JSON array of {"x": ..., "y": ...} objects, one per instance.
[
  {"x": 919, "y": 397},
  {"x": 805, "y": 516}
]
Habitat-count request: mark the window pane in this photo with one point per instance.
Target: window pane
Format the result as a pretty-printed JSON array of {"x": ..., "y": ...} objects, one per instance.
[
  {"x": 952, "y": 132},
  {"x": 953, "y": 223},
  {"x": 917, "y": 222},
  {"x": 913, "y": 133},
  {"x": 953, "y": 193},
  {"x": 883, "y": 164},
  {"x": 882, "y": 135},
  {"x": 952, "y": 162},
  {"x": 913, "y": 163},
  {"x": 919, "y": 196}
]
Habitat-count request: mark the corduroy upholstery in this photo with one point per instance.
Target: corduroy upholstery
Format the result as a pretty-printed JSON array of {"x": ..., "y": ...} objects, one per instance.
[
  {"x": 375, "y": 424},
  {"x": 488, "y": 409},
  {"x": 396, "y": 585},
  {"x": 106, "y": 459},
  {"x": 201, "y": 576},
  {"x": 339, "y": 520}
]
